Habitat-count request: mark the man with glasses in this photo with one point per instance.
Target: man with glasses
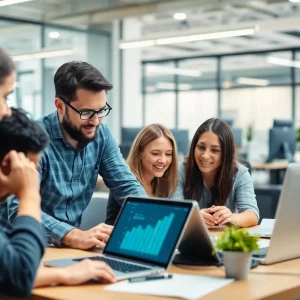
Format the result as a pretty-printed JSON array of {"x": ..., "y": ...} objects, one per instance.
[{"x": 81, "y": 147}]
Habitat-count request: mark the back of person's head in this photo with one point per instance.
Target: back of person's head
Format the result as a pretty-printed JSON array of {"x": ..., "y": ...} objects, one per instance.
[
  {"x": 166, "y": 185},
  {"x": 75, "y": 75},
  {"x": 227, "y": 170},
  {"x": 6, "y": 65},
  {"x": 21, "y": 134}
]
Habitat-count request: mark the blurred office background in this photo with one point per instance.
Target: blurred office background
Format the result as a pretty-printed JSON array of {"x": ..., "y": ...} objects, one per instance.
[{"x": 171, "y": 61}]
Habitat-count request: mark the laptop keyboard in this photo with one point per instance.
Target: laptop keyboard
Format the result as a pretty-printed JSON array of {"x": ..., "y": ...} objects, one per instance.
[{"x": 117, "y": 265}]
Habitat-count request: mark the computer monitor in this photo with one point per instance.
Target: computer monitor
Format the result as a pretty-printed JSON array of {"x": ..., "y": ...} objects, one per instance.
[
  {"x": 238, "y": 137},
  {"x": 228, "y": 121},
  {"x": 182, "y": 140},
  {"x": 128, "y": 134},
  {"x": 237, "y": 133},
  {"x": 282, "y": 140}
]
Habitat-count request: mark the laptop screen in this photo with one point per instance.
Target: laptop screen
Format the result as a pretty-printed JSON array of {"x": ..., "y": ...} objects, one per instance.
[{"x": 148, "y": 229}]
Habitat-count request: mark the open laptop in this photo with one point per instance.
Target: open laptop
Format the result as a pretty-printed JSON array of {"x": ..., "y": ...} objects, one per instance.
[
  {"x": 196, "y": 246},
  {"x": 284, "y": 242},
  {"x": 145, "y": 237}
]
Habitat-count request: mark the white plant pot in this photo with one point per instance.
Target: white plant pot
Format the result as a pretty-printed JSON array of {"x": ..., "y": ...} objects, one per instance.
[{"x": 237, "y": 264}]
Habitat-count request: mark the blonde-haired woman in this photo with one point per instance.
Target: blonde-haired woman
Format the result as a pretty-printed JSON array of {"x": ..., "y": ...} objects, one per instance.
[{"x": 153, "y": 159}]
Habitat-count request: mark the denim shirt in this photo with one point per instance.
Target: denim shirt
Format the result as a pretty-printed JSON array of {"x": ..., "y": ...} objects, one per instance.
[
  {"x": 241, "y": 198},
  {"x": 68, "y": 177}
]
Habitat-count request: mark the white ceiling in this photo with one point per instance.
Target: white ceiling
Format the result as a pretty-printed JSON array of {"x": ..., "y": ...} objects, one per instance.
[{"x": 279, "y": 21}]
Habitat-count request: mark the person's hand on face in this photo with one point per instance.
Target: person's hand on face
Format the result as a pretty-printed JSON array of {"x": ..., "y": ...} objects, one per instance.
[
  {"x": 19, "y": 176},
  {"x": 221, "y": 215}
]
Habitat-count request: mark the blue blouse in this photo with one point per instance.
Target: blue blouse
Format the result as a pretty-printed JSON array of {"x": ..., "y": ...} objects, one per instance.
[{"x": 241, "y": 198}]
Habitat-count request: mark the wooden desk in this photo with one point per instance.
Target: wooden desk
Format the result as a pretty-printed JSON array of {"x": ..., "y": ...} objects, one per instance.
[
  {"x": 277, "y": 170},
  {"x": 260, "y": 285},
  {"x": 269, "y": 166}
]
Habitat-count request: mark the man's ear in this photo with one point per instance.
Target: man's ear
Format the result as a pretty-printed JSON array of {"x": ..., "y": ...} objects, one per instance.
[{"x": 60, "y": 106}]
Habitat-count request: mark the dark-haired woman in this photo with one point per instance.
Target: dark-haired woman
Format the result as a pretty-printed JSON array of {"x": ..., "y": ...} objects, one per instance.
[{"x": 211, "y": 175}]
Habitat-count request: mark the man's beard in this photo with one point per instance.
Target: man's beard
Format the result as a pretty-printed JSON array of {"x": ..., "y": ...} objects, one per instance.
[{"x": 75, "y": 132}]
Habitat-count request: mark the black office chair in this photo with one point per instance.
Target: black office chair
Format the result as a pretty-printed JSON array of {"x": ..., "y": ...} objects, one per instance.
[{"x": 246, "y": 164}]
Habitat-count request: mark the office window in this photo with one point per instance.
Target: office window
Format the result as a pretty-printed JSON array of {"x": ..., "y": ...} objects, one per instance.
[
  {"x": 197, "y": 74},
  {"x": 19, "y": 39},
  {"x": 93, "y": 48},
  {"x": 35, "y": 88},
  {"x": 195, "y": 107},
  {"x": 257, "y": 107},
  {"x": 159, "y": 77},
  {"x": 255, "y": 70},
  {"x": 160, "y": 108}
]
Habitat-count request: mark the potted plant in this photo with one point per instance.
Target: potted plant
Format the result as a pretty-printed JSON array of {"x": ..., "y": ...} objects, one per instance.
[
  {"x": 249, "y": 137},
  {"x": 237, "y": 246},
  {"x": 249, "y": 133}
]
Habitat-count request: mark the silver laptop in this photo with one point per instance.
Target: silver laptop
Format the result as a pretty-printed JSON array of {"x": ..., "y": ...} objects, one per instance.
[
  {"x": 284, "y": 242},
  {"x": 144, "y": 239}
]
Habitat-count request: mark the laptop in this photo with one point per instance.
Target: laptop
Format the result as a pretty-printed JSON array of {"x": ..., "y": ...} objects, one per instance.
[
  {"x": 144, "y": 239},
  {"x": 196, "y": 246},
  {"x": 284, "y": 242}
]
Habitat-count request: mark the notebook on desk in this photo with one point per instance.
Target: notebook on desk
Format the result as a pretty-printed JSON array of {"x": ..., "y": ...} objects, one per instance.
[
  {"x": 144, "y": 239},
  {"x": 265, "y": 228}
]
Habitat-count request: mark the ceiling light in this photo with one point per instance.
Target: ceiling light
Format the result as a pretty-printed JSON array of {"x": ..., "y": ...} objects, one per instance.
[
  {"x": 43, "y": 54},
  {"x": 54, "y": 35},
  {"x": 172, "y": 71},
  {"x": 187, "y": 38},
  {"x": 283, "y": 62},
  {"x": 252, "y": 81},
  {"x": 227, "y": 85},
  {"x": 11, "y": 2},
  {"x": 172, "y": 86},
  {"x": 179, "y": 16},
  {"x": 294, "y": 1},
  {"x": 137, "y": 44}
]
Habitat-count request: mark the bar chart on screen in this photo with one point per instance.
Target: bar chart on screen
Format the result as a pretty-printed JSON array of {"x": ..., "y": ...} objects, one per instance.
[{"x": 149, "y": 239}]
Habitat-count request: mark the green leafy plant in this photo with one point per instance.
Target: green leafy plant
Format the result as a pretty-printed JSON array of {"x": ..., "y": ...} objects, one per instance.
[
  {"x": 234, "y": 239},
  {"x": 249, "y": 133},
  {"x": 298, "y": 135}
]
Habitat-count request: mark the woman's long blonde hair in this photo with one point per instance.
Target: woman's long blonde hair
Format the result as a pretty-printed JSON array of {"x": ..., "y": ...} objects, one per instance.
[{"x": 166, "y": 185}]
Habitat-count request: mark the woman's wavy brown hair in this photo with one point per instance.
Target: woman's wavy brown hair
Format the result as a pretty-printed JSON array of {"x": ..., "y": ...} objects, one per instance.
[
  {"x": 166, "y": 185},
  {"x": 193, "y": 186}
]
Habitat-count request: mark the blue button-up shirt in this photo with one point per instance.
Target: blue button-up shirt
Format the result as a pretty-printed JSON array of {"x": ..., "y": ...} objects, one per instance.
[{"x": 69, "y": 176}]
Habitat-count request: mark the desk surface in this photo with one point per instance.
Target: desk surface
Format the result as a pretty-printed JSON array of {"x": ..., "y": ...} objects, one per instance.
[
  {"x": 262, "y": 284},
  {"x": 270, "y": 166}
]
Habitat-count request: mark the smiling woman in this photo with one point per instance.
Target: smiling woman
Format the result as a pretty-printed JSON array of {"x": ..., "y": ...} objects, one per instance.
[
  {"x": 211, "y": 175},
  {"x": 153, "y": 160}
]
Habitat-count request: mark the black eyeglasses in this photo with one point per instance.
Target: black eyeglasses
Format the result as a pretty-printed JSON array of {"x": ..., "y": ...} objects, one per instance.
[{"x": 88, "y": 114}]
